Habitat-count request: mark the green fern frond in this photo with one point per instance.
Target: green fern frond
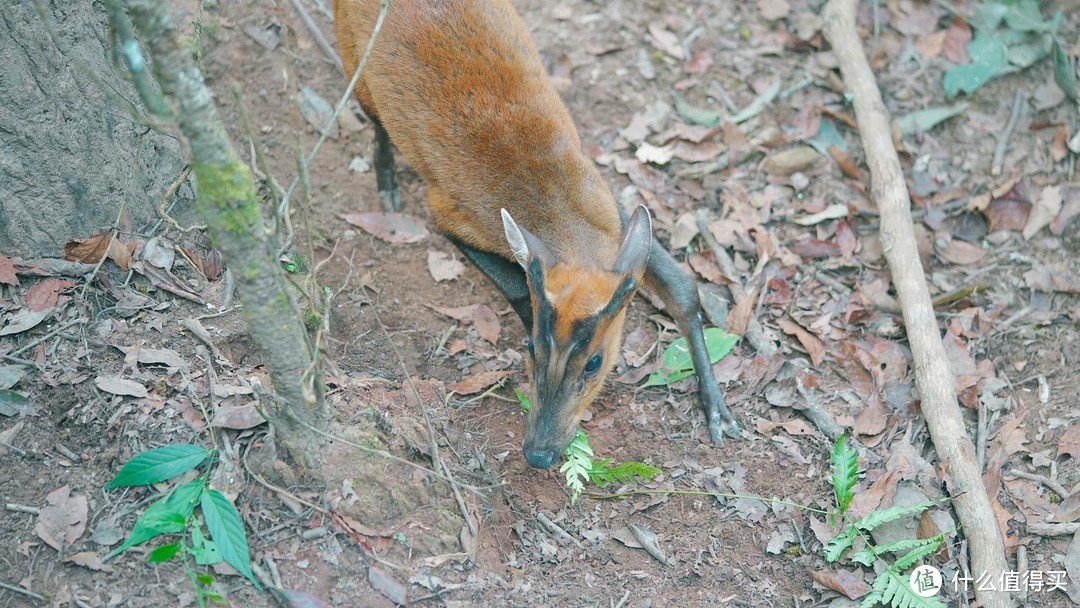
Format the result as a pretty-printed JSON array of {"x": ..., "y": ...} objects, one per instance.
[
  {"x": 916, "y": 554},
  {"x": 603, "y": 474},
  {"x": 893, "y": 589},
  {"x": 845, "y": 472},
  {"x": 578, "y": 465},
  {"x": 867, "y": 555},
  {"x": 840, "y": 543},
  {"x": 882, "y": 516}
]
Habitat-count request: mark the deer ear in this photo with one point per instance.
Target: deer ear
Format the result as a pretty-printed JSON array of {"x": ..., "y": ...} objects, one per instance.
[
  {"x": 523, "y": 243},
  {"x": 637, "y": 242}
]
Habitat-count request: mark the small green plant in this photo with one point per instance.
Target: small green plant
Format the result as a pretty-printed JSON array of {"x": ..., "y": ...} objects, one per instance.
[
  {"x": 891, "y": 587},
  {"x": 580, "y": 466},
  {"x": 1009, "y": 36},
  {"x": 676, "y": 361},
  {"x": 174, "y": 514}
]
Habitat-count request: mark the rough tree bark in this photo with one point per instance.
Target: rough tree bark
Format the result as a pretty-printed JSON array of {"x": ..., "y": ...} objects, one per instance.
[
  {"x": 227, "y": 204},
  {"x": 933, "y": 374}
]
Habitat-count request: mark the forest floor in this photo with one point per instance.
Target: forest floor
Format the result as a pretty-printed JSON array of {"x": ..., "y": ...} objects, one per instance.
[{"x": 109, "y": 370}]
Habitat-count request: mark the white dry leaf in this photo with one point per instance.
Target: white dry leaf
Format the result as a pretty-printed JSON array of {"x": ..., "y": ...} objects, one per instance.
[
  {"x": 684, "y": 231},
  {"x": 774, "y": 9},
  {"x": 666, "y": 41},
  {"x": 443, "y": 266},
  {"x": 778, "y": 539},
  {"x": 120, "y": 386},
  {"x": 648, "y": 153},
  {"x": 1045, "y": 209},
  {"x": 25, "y": 319}
]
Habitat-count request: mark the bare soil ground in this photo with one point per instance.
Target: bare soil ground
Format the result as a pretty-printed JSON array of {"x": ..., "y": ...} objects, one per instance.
[{"x": 819, "y": 288}]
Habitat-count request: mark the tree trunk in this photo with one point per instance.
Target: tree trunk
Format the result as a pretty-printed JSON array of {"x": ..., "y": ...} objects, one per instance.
[
  {"x": 933, "y": 375},
  {"x": 227, "y": 204}
]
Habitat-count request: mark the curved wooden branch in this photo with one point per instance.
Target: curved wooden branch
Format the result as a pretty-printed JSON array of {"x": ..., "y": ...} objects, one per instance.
[{"x": 932, "y": 371}]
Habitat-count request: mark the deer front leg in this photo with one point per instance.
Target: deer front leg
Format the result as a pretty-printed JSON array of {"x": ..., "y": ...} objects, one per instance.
[{"x": 679, "y": 293}]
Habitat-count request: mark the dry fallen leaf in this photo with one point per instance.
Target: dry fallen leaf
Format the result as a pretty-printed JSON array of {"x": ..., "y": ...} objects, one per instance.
[
  {"x": 779, "y": 539},
  {"x": 648, "y": 153},
  {"x": 89, "y": 559},
  {"x": 698, "y": 152},
  {"x": 773, "y": 10},
  {"x": 1069, "y": 444},
  {"x": 7, "y": 271},
  {"x": 480, "y": 315},
  {"x": 684, "y": 231},
  {"x": 121, "y": 386},
  {"x": 390, "y": 227},
  {"x": 92, "y": 249},
  {"x": 958, "y": 252},
  {"x": 384, "y": 582},
  {"x": 238, "y": 417},
  {"x": 666, "y": 41},
  {"x": 813, "y": 345},
  {"x": 699, "y": 62},
  {"x": 1045, "y": 209},
  {"x": 63, "y": 520},
  {"x": 7, "y": 436},
  {"x": 23, "y": 320},
  {"x": 931, "y": 45},
  {"x": 478, "y": 382},
  {"x": 786, "y": 162},
  {"x": 443, "y": 266},
  {"x": 43, "y": 294},
  {"x": 849, "y": 584}
]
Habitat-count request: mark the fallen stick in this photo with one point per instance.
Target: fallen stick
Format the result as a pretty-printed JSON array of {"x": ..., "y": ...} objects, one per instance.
[{"x": 933, "y": 374}]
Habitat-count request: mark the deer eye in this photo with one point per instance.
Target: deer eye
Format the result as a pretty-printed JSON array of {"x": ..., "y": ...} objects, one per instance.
[{"x": 593, "y": 365}]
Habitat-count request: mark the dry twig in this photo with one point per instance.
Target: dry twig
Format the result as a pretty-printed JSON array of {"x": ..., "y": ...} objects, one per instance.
[
  {"x": 1003, "y": 139},
  {"x": 934, "y": 376}
]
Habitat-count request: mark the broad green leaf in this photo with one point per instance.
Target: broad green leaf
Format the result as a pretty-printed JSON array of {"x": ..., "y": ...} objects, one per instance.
[
  {"x": 988, "y": 61},
  {"x": 987, "y": 16},
  {"x": 159, "y": 464},
  {"x": 163, "y": 553},
  {"x": 922, "y": 121},
  {"x": 695, "y": 115},
  {"x": 1024, "y": 16},
  {"x": 676, "y": 360},
  {"x": 12, "y": 403},
  {"x": 1064, "y": 73},
  {"x": 227, "y": 530},
  {"x": 1027, "y": 54},
  {"x": 526, "y": 405},
  {"x": 204, "y": 549},
  {"x": 166, "y": 516}
]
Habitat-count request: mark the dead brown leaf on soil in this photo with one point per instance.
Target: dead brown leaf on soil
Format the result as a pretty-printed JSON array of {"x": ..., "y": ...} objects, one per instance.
[
  {"x": 850, "y": 584},
  {"x": 397, "y": 228},
  {"x": 7, "y": 271},
  {"x": 104, "y": 245},
  {"x": 480, "y": 315},
  {"x": 63, "y": 520},
  {"x": 477, "y": 382}
]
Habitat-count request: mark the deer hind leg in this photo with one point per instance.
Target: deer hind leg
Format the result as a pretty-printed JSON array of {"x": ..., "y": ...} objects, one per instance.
[{"x": 384, "y": 169}]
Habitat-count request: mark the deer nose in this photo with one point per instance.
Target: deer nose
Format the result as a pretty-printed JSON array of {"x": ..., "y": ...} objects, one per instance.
[{"x": 541, "y": 459}]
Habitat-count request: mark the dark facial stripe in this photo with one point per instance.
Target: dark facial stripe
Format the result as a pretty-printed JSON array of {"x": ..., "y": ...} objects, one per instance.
[{"x": 621, "y": 297}]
